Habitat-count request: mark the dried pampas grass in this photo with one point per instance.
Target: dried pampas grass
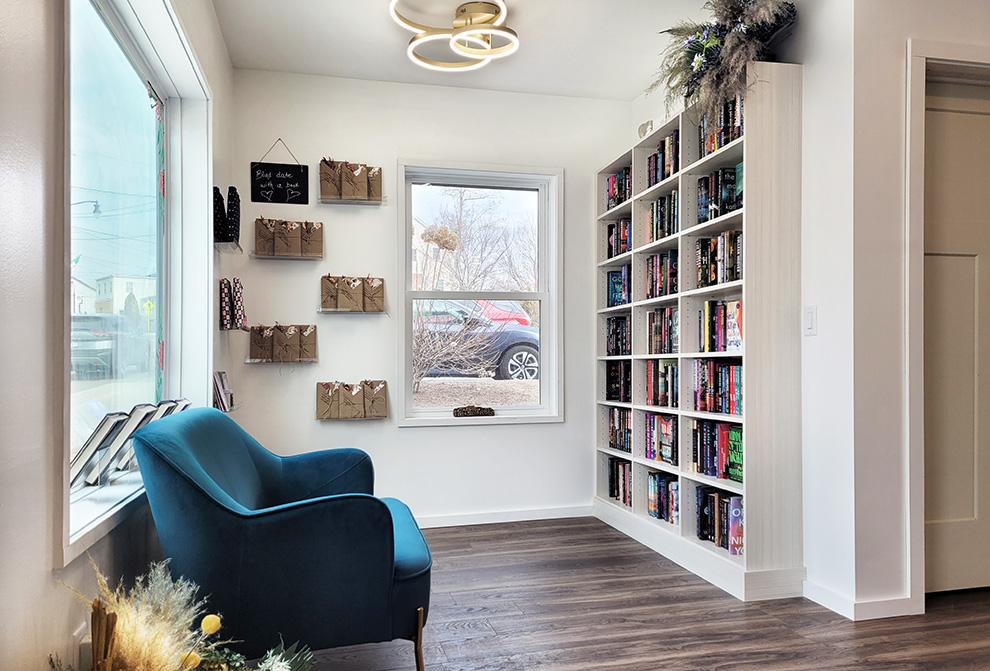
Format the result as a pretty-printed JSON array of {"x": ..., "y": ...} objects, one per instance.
[{"x": 705, "y": 64}]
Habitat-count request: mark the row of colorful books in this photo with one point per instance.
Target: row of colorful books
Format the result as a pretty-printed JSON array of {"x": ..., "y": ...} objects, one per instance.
[
  {"x": 618, "y": 387},
  {"x": 620, "y": 480},
  {"x": 720, "y": 192},
  {"x": 720, "y": 518},
  {"x": 717, "y": 449},
  {"x": 662, "y": 326},
  {"x": 716, "y": 131},
  {"x": 718, "y": 387},
  {"x": 618, "y": 237},
  {"x": 665, "y": 162},
  {"x": 720, "y": 326},
  {"x": 618, "y": 286},
  {"x": 719, "y": 259},
  {"x": 661, "y": 438},
  {"x": 619, "y": 429},
  {"x": 618, "y": 336},
  {"x": 618, "y": 188},
  {"x": 661, "y": 274},
  {"x": 661, "y": 384},
  {"x": 661, "y": 217},
  {"x": 662, "y": 496}
]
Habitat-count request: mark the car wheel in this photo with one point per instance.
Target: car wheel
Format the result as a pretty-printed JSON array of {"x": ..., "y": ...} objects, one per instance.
[{"x": 519, "y": 362}]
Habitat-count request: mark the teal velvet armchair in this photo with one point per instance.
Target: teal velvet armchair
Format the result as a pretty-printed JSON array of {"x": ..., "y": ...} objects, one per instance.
[{"x": 291, "y": 547}]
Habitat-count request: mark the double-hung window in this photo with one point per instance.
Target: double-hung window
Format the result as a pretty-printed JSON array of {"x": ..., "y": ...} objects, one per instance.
[{"x": 481, "y": 310}]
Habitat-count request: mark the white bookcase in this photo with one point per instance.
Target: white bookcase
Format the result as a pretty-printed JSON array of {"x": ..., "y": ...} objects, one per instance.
[{"x": 771, "y": 565}]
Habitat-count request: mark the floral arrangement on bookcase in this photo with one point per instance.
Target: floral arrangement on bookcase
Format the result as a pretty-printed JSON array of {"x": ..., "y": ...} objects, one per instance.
[{"x": 672, "y": 368}]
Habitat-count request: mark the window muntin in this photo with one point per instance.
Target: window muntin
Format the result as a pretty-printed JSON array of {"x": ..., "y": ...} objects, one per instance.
[{"x": 116, "y": 219}]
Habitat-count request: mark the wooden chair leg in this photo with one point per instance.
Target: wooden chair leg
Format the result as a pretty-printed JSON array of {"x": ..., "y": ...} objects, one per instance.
[{"x": 418, "y": 640}]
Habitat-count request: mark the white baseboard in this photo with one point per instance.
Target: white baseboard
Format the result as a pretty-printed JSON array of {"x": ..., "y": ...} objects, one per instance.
[
  {"x": 863, "y": 610},
  {"x": 434, "y": 521}
]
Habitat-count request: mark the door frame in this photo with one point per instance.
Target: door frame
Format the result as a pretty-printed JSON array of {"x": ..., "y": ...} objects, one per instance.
[{"x": 920, "y": 54}]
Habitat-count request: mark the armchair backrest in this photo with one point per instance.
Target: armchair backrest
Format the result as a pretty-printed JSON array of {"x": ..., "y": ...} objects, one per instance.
[{"x": 216, "y": 456}]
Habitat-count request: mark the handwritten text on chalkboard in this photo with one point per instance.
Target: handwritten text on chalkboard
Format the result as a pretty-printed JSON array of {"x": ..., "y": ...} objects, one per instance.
[{"x": 280, "y": 183}]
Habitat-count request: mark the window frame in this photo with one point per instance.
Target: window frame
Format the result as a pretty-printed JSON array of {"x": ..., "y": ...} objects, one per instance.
[
  {"x": 549, "y": 183},
  {"x": 148, "y": 33}
]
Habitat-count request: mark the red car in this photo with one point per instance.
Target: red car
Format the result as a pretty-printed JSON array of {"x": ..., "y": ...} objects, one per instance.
[{"x": 498, "y": 311}]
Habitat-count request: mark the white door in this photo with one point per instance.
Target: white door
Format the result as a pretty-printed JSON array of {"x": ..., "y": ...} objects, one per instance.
[{"x": 957, "y": 337}]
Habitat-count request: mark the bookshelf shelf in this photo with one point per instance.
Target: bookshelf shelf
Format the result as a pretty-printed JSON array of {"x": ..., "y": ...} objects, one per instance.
[{"x": 761, "y": 310}]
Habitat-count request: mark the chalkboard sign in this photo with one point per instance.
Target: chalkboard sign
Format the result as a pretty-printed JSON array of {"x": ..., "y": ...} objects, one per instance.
[{"x": 280, "y": 183}]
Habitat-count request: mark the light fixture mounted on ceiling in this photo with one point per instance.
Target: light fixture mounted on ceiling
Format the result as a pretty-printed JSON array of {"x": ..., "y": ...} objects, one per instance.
[{"x": 478, "y": 35}]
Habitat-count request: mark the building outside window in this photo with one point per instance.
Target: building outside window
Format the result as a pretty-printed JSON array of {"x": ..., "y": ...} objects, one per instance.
[
  {"x": 481, "y": 304},
  {"x": 117, "y": 227}
]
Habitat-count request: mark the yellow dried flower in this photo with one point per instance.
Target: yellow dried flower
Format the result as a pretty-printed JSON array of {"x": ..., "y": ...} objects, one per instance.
[
  {"x": 191, "y": 660},
  {"x": 210, "y": 624}
]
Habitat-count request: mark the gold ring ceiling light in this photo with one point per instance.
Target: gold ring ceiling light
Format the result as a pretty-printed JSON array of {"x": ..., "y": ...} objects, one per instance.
[{"x": 478, "y": 35}]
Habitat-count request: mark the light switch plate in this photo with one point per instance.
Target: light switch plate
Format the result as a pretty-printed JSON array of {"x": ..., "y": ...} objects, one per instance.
[{"x": 811, "y": 320}]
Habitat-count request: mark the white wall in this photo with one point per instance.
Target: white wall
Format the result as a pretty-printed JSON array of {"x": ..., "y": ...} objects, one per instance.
[
  {"x": 822, "y": 42},
  {"x": 38, "y": 613},
  {"x": 881, "y": 448},
  {"x": 480, "y": 473}
]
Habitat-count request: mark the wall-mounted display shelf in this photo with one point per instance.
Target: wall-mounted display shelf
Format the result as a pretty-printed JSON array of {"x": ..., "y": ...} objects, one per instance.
[
  {"x": 255, "y": 255},
  {"x": 283, "y": 343},
  {"x": 228, "y": 247},
  {"x": 698, "y": 440},
  {"x": 352, "y": 294},
  {"x": 341, "y": 201}
]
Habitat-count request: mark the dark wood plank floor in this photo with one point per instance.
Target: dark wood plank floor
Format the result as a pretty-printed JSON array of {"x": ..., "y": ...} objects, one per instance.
[{"x": 576, "y": 595}]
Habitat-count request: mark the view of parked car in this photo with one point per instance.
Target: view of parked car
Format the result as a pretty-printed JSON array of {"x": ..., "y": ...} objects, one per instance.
[
  {"x": 462, "y": 340},
  {"x": 497, "y": 311},
  {"x": 105, "y": 345}
]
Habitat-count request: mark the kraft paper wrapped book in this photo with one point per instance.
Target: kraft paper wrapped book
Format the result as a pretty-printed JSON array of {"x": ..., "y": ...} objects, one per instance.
[
  {"x": 285, "y": 344},
  {"x": 327, "y": 400},
  {"x": 311, "y": 239},
  {"x": 328, "y": 292},
  {"x": 375, "y": 398},
  {"x": 374, "y": 183},
  {"x": 307, "y": 342},
  {"x": 350, "y": 294},
  {"x": 261, "y": 343},
  {"x": 264, "y": 237},
  {"x": 330, "y": 179},
  {"x": 374, "y": 294},
  {"x": 354, "y": 181},
  {"x": 288, "y": 238},
  {"x": 351, "y": 401}
]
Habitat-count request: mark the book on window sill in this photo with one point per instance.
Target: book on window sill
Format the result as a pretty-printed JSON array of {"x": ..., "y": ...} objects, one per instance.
[
  {"x": 105, "y": 432},
  {"x": 116, "y": 449}
]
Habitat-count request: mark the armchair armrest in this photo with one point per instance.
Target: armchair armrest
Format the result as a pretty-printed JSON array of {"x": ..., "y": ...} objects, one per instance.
[{"x": 326, "y": 473}]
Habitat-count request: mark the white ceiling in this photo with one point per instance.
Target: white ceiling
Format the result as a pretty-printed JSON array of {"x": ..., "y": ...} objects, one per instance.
[{"x": 605, "y": 49}]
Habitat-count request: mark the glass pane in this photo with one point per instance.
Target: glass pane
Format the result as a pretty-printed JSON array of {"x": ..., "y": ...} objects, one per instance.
[
  {"x": 116, "y": 220},
  {"x": 475, "y": 352},
  {"x": 474, "y": 239}
]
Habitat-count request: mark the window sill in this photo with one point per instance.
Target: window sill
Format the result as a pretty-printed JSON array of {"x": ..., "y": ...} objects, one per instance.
[
  {"x": 99, "y": 511},
  {"x": 444, "y": 418}
]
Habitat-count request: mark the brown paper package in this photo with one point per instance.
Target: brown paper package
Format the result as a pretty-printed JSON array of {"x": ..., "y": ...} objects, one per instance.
[
  {"x": 374, "y": 184},
  {"x": 311, "y": 239},
  {"x": 375, "y": 398},
  {"x": 288, "y": 238},
  {"x": 354, "y": 181},
  {"x": 374, "y": 294},
  {"x": 350, "y": 294},
  {"x": 351, "y": 401},
  {"x": 327, "y": 400},
  {"x": 329, "y": 179},
  {"x": 328, "y": 292},
  {"x": 307, "y": 342},
  {"x": 285, "y": 344},
  {"x": 264, "y": 237},
  {"x": 261, "y": 343}
]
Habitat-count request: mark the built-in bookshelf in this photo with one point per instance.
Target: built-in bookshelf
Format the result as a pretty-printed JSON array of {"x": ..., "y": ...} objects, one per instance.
[{"x": 698, "y": 441}]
